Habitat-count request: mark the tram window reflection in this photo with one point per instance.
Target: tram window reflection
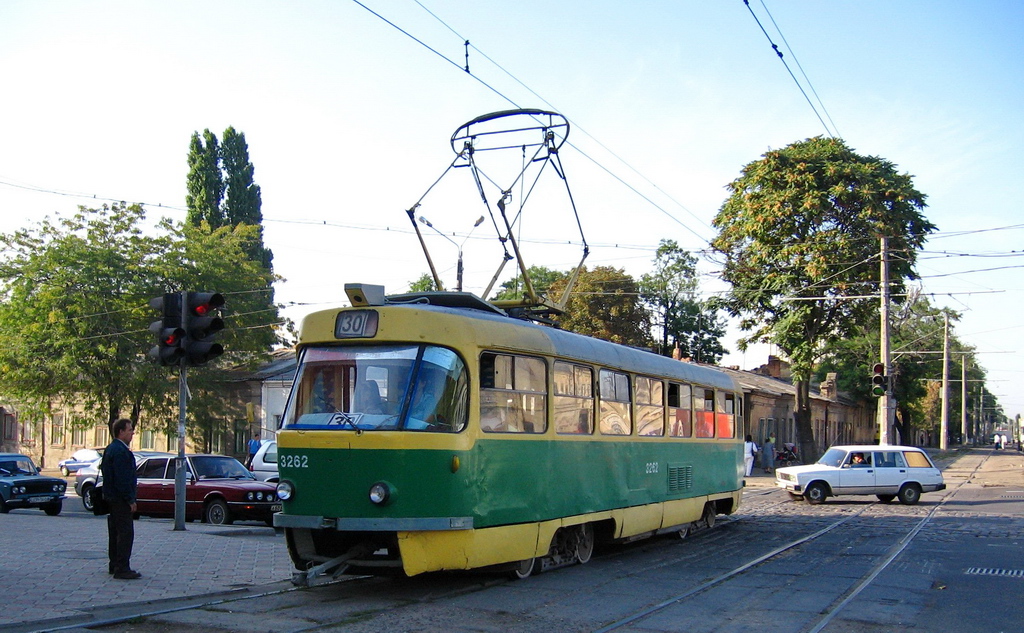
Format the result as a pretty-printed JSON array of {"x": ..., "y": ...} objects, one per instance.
[
  {"x": 704, "y": 412},
  {"x": 513, "y": 395},
  {"x": 573, "y": 399},
  {"x": 679, "y": 410},
  {"x": 615, "y": 403},
  {"x": 650, "y": 407}
]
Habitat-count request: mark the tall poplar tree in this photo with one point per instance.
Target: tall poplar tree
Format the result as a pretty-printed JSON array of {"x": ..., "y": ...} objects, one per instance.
[{"x": 205, "y": 183}]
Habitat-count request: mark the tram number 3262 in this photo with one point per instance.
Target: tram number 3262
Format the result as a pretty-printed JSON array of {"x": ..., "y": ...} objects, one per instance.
[
  {"x": 651, "y": 468},
  {"x": 293, "y": 461}
]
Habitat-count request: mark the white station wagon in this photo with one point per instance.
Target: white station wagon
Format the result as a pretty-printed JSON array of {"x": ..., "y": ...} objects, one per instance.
[{"x": 887, "y": 472}]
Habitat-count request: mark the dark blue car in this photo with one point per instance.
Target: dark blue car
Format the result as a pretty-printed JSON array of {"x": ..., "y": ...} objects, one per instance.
[{"x": 21, "y": 486}]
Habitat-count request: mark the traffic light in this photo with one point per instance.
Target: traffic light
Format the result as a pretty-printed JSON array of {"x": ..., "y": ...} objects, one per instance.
[
  {"x": 201, "y": 326},
  {"x": 170, "y": 336},
  {"x": 879, "y": 381}
]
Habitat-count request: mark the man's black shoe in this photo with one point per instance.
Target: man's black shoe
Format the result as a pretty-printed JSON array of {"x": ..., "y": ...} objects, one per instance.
[{"x": 127, "y": 575}]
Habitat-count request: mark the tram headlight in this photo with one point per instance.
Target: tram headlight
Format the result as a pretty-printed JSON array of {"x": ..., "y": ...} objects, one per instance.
[
  {"x": 381, "y": 493},
  {"x": 285, "y": 490}
]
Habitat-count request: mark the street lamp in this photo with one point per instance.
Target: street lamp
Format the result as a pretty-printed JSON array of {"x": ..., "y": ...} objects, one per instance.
[{"x": 458, "y": 270}]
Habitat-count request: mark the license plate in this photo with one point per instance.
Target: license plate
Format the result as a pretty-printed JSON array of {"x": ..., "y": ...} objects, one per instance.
[
  {"x": 276, "y": 507},
  {"x": 38, "y": 499}
]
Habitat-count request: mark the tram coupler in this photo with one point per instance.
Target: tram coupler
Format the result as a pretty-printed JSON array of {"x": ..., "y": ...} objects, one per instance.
[{"x": 326, "y": 571}]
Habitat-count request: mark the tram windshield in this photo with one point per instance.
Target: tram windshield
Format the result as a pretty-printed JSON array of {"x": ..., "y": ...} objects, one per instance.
[{"x": 380, "y": 387}]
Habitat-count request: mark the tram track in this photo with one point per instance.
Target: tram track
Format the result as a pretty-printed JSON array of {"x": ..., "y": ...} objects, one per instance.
[{"x": 841, "y": 601}]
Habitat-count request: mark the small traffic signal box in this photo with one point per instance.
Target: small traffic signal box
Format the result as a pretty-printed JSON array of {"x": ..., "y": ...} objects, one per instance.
[
  {"x": 879, "y": 381},
  {"x": 202, "y": 322},
  {"x": 170, "y": 336}
]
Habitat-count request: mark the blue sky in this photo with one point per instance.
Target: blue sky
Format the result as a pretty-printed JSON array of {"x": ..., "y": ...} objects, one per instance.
[{"x": 348, "y": 122}]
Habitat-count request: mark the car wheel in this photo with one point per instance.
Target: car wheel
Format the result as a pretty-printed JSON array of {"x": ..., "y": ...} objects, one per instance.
[
  {"x": 910, "y": 494},
  {"x": 217, "y": 513},
  {"x": 86, "y": 500},
  {"x": 885, "y": 498},
  {"x": 64, "y": 471},
  {"x": 816, "y": 493},
  {"x": 53, "y": 509},
  {"x": 523, "y": 569}
]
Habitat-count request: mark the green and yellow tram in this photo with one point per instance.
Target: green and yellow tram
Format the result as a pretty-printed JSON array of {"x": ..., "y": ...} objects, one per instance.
[{"x": 434, "y": 432}]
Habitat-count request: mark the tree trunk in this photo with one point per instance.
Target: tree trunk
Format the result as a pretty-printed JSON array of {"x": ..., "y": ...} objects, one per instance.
[{"x": 802, "y": 416}]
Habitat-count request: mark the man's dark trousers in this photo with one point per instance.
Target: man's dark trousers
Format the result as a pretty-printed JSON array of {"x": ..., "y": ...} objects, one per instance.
[{"x": 120, "y": 535}]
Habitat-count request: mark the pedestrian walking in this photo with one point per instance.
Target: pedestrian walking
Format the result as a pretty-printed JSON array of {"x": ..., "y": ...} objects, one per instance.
[
  {"x": 749, "y": 452},
  {"x": 768, "y": 453},
  {"x": 254, "y": 447},
  {"x": 119, "y": 485}
]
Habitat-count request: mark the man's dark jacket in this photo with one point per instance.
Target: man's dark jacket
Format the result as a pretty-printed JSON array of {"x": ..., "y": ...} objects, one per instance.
[{"x": 118, "y": 468}]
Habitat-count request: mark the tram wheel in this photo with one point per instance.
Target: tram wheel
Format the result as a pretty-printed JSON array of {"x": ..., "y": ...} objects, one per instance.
[
  {"x": 709, "y": 516},
  {"x": 523, "y": 569},
  {"x": 683, "y": 532},
  {"x": 584, "y": 543}
]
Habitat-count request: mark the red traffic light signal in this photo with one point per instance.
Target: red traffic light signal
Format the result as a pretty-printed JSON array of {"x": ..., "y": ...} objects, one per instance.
[
  {"x": 201, "y": 325},
  {"x": 879, "y": 381},
  {"x": 170, "y": 336}
]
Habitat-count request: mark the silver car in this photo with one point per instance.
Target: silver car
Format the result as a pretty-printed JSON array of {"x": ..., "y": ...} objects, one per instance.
[{"x": 86, "y": 478}]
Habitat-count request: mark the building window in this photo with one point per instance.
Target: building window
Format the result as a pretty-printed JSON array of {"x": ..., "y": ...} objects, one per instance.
[
  {"x": 77, "y": 436},
  {"x": 148, "y": 441},
  {"x": 57, "y": 429},
  {"x": 101, "y": 435},
  {"x": 10, "y": 426}
]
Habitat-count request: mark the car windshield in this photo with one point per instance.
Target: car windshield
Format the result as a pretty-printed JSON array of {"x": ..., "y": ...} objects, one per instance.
[
  {"x": 17, "y": 466},
  {"x": 218, "y": 467},
  {"x": 833, "y": 457},
  {"x": 380, "y": 387}
]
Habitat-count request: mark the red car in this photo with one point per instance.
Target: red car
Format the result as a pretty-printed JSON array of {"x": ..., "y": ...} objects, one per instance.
[{"x": 218, "y": 490}]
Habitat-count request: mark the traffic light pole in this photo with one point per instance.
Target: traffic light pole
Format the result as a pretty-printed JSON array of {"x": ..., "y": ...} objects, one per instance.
[
  {"x": 179, "y": 471},
  {"x": 886, "y": 404}
]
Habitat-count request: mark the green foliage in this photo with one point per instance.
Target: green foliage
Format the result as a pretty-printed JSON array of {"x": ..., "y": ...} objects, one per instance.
[
  {"x": 205, "y": 184},
  {"x": 678, "y": 314},
  {"x": 605, "y": 303},
  {"x": 75, "y": 314},
  {"x": 424, "y": 284},
  {"x": 800, "y": 235},
  {"x": 542, "y": 279}
]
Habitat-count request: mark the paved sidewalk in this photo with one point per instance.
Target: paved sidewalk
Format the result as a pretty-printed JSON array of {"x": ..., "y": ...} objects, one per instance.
[{"x": 56, "y": 567}]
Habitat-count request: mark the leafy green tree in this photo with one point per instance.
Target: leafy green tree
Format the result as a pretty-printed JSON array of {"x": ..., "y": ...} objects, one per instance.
[
  {"x": 679, "y": 315},
  {"x": 424, "y": 284},
  {"x": 243, "y": 202},
  {"x": 542, "y": 279},
  {"x": 205, "y": 183},
  {"x": 605, "y": 303},
  {"x": 800, "y": 236},
  {"x": 75, "y": 314}
]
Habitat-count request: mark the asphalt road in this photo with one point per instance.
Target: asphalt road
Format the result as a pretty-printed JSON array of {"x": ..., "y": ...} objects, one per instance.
[{"x": 956, "y": 565}]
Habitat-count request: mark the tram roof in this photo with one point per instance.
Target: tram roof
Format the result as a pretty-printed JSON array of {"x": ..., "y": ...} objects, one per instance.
[{"x": 571, "y": 345}]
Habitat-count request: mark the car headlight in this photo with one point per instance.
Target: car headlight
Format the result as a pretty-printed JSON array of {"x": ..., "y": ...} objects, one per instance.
[
  {"x": 19, "y": 490},
  {"x": 285, "y": 490},
  {"x": 381, "y": 493}
]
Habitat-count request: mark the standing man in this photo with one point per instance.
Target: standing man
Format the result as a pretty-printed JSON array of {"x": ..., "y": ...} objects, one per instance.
[
  {"x": 254, "y": 447},
  {"x": 119, "y": 484}
]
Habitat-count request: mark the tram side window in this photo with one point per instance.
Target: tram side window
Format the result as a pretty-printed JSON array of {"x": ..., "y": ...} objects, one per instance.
[
  {"x": 513, "y": 394},
  {"x": 704, "y": 412},
  {"x": 650, "y": 406},
  {"x": 725, "y": 416},
  {"x": 680, "y": 418},
  {"x": 573, "y": 399},
  {"x": 615, "y": 401}
]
